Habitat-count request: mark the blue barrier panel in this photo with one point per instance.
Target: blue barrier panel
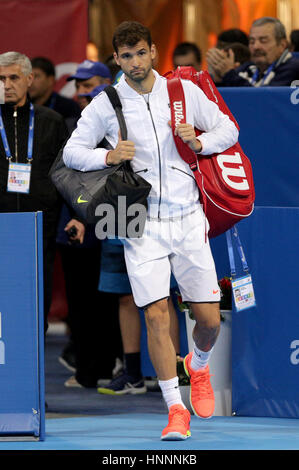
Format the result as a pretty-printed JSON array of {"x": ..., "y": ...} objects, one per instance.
[
  {"x": 22, "y": 401},
  {"x": 265, "y": 339},
  {"x": 268, "y": 120}
]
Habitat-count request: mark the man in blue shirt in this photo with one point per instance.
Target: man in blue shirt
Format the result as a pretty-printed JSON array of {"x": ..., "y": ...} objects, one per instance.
[{"x": 89, "y": 75}]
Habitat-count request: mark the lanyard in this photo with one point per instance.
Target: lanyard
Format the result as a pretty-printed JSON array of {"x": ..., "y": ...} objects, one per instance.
[
  {"x": 230, "y": 235},
  {"x": 30, "y": 135},
  {"x": 256, "y": 74}
]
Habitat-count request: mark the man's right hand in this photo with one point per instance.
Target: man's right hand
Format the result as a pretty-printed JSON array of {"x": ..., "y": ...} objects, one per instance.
[
  {"x": 220, "y": 61},
  {"x": 124, "y": 150}
]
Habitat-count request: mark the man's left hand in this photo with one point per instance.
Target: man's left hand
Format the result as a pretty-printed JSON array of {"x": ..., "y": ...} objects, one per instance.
[{"x": 187, "y": 133}]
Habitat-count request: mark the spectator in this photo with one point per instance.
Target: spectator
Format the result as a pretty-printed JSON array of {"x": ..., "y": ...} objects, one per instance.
[
  {"x": 114, "y": 279},
  {"x": 87, "y": 321},
  {"x": 90, "y": 312},
  {"x": 90, "y": 74},
  {"x": 294, "y": 39},
  {"x": 87, "y": 97},
  {"x": 113, "y": 67},
  {"x": 271, "y": 62},
  {"x": 92, "y": 51},
  {"x": 187, "y": 53},
  {"x": 241, "y": 52},
  {"x": 232, "y": 35},
  {"x": 48, "y": 132},
  {"x": 42, "y": 91},
  {"x": 241, "y": 56},
  {"x": 78, "y": 350}
]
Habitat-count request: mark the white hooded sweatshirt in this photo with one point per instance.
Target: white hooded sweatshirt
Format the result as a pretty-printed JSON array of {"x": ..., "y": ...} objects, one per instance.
[{"x": 174, "y": 190}]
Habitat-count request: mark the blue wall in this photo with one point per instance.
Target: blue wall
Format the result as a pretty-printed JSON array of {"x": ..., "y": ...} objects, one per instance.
[
  {"x": 265, "y": 339},
  {"x": 22, "y": 407},
  {"x": 269, "y": 131}
]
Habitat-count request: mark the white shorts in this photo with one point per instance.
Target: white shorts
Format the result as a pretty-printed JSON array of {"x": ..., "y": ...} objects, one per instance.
[{"x": 177, "y": 246}]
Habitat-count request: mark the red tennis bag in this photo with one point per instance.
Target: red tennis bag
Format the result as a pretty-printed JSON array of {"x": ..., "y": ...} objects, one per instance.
[{"x": 225, "y": 180}]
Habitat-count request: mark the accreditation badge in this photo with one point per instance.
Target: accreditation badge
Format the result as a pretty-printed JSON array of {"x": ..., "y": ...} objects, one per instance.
[
  {"x": 243, "y": 292},
  {"x": 19, "y": 177}
]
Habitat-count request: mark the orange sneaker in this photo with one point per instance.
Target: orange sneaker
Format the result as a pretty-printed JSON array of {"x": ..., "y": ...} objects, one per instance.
[
  {"x": 202, "y": 398},
  {"x": 178, "y": 427}
]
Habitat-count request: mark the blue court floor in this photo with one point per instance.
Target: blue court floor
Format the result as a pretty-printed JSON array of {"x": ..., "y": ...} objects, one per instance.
[
  {"x": 142, "y": 432},
  {"x": 80, "y": 419}
]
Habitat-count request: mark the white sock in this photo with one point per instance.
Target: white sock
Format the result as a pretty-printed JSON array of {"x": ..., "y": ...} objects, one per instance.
[
  {"x": 171, "y": 392},
  {"x": 200, "y": 358}
]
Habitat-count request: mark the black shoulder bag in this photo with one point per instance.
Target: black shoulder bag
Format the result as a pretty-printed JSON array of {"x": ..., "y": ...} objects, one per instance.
[{"x": 112, "y": 195}]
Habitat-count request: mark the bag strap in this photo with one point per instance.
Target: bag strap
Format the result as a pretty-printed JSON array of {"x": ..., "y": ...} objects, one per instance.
[
  {"x": 178, "y": 115},
  {"x": 117, "y": 106}
]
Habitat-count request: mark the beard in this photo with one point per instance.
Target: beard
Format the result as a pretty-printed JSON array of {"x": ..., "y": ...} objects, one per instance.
[{"x": 138, "y": 75}]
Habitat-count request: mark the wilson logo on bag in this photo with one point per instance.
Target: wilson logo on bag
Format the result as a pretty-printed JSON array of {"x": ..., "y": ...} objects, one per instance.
[
  {"x": 233, "y": 177},
  {"x": 178, "y": 112},
  {"x": 225, "y": 180}
]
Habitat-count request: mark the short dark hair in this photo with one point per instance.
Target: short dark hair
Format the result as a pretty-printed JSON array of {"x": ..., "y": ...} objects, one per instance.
[
  {"x": 129, "y": 33},
  {"x": 294, "y": 37},
  {"x": 233, "y": 35},
  {"x": 46, "y": 65},
  {"x": 241, "y": 52},
  {"x": 184, "y": 48},
  {"x": 112, "y": 65}
]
